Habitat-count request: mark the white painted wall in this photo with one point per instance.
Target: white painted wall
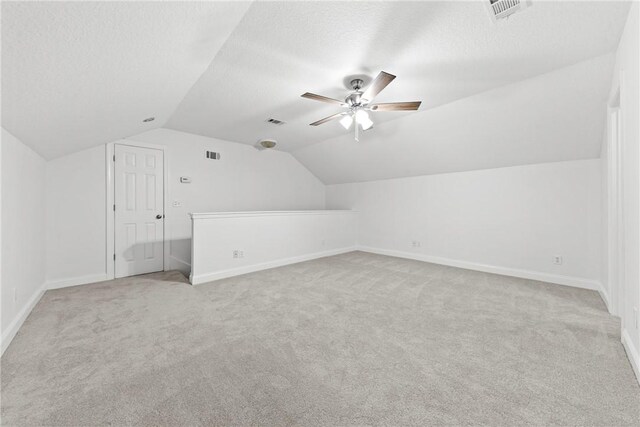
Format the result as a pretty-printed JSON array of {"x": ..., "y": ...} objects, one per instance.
[
  {"x": 626, "y": 76},
  {"x": 266, "y": 240},
  {"x": 508, "y": 220},
  {"x": 243, "y": 179},
  {"x": 76, "y": 197},
  {"x": 23, "y": 233}
]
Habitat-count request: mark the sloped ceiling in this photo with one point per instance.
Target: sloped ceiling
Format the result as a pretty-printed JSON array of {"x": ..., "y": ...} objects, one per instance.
[
  {"x": 79, "y": 74},
  {"x": 439, "y": 51},
  {"x": 552, "y": 117}
]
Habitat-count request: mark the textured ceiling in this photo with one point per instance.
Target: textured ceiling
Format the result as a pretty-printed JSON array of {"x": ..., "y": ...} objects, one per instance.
[
  {"x": 552, "y": 117},
  {"x": 80, "y": 74},
  {"x": 440, "y": 51}
]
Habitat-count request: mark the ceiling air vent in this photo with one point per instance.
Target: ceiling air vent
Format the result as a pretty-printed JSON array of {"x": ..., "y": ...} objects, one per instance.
[
  {"x": 500, "y": 9},
  {"x": 275, "y": 122},
  {"x": 212, "y": 155}
]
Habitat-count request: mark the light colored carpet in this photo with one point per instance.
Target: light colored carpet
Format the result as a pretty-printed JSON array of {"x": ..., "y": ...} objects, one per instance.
[{"x": 346, "y": 340}]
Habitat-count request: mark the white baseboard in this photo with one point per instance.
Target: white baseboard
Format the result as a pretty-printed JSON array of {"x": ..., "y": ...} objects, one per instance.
[
  {"x": 75, "y": 281},
  {"x": 505, "y": 271},
  {"x": 15, "y": 325},
  {"x": 605, "y": 297},
  {"x": 180, "y": 265},
  {"x": 632, "y": 353},
  {"x": 210, "y": 277}
]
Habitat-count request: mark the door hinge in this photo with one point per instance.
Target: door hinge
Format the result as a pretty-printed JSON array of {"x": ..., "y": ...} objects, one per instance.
[
  {"x": 114, "y": 157},
  {"x": 114, "y": 257},
  {"x": 114, "y": 208}
]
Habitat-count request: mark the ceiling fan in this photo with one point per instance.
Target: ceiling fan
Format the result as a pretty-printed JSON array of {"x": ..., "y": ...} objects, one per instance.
[{"x": 359, "y": 103}]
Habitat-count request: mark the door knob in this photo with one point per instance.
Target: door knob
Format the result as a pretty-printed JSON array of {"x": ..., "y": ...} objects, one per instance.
[{"x": 159, "y": 216}]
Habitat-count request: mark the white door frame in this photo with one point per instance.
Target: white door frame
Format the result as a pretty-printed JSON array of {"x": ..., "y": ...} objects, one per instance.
[
  {"x": 615, "y": 219},
  {"x": 111, "y": 218},
  {"x": 614, "y": 209}
]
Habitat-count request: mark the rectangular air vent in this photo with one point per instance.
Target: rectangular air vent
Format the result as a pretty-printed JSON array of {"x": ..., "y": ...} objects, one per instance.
[
  {"x": 499, "y": 9},
  {"x": 275, "y": 122},
  {"x": 212, "y": 155}
]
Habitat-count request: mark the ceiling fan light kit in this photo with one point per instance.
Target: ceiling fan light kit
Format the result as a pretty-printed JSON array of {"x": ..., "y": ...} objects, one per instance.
[
  {"x": 359, "y": 103},
  {"x": 362, "y": 118},
  {"x": 346, "y": 121}
]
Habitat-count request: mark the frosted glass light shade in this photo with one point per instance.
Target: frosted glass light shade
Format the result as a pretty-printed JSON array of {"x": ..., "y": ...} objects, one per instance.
[
  {"x": 362, "y": 118},
  {"x": 346, "y": 121}
]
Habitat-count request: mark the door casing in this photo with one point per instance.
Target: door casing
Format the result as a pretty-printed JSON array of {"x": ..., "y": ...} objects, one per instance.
[
  {"x": 110, "y": 197},
  {"x": 615, "y": 225}
]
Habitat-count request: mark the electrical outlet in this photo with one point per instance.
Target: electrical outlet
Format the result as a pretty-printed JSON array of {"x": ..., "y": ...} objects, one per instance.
[
  {"x": 236, "y": 253},
  {"x": 416, "y": 244},
  {"x": 176, "y": 203},
  {"x": 240, "y": 254},
  {"x": 557, "y": 260}
]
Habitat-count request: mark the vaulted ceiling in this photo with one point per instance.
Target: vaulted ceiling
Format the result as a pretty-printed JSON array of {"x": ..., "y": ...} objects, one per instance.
[
  {"x": 439, "y": 51},
  {"x": 80, "y": 74},
  {"x": 553, "y": 117}
]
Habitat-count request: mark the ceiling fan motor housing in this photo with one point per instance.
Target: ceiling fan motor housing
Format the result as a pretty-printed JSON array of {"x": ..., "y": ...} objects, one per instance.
[
  {"x": 354, "y": 100},
  {"x": 357, "y": 84}
]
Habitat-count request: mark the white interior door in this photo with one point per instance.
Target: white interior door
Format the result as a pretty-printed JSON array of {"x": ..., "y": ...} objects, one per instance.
[{"x": 139, "y": 210}]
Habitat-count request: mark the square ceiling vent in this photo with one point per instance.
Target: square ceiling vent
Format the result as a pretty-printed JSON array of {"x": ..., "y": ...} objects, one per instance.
[
  {"x": 501, "y": 9},
  {"x": 275, "y": 121}
]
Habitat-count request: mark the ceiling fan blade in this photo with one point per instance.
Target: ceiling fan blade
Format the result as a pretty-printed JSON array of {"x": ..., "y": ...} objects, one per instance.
[
  {"x": 326, "y": 119},
  {"x": 396, "y": 106},
  {"x": 376, "y": 86},
  {"x": 321, "y": 98}
]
